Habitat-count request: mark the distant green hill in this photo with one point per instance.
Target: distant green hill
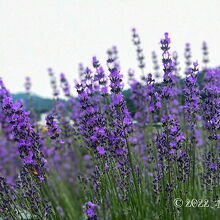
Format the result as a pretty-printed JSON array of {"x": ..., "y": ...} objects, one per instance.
[{"x": 39, "y": 104}]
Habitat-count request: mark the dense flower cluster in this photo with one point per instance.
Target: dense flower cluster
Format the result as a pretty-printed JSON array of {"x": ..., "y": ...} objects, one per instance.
[
  {"x": 210, "y": 105},
  {"x": 18, "y": 124},
  {"x": 52, "y": 126},
  {"x": 191, "y": 94}
]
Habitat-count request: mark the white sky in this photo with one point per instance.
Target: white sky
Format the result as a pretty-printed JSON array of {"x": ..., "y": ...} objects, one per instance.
[{"x": 37, "y": 34}]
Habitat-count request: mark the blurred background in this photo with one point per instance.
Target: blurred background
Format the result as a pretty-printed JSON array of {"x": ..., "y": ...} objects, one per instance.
[{"x": 39, "y": 34}]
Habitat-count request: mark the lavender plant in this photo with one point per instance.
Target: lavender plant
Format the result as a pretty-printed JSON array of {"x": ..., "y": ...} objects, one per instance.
[{"x": 95, "y": 159}]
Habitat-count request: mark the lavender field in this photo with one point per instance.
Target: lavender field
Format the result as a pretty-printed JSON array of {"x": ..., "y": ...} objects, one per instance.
[{"x": 154, "y": 154}]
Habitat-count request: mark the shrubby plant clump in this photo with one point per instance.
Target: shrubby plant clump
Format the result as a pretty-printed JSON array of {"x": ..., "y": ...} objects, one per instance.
[{"x": 93, "y": 159}]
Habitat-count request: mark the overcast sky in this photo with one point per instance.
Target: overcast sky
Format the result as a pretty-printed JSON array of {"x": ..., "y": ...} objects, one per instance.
[{"x": 37, "y": 34}]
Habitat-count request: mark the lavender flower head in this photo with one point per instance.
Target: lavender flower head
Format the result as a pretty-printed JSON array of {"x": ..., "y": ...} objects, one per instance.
[
  {"x": 29, "y": 142},
  {"x": 140, "y": 56}
]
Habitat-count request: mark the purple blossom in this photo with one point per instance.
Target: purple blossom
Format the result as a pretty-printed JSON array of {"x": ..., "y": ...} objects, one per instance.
[
  {"x": 89, "y": 207},
  {"x": 101, "y": 150}
]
